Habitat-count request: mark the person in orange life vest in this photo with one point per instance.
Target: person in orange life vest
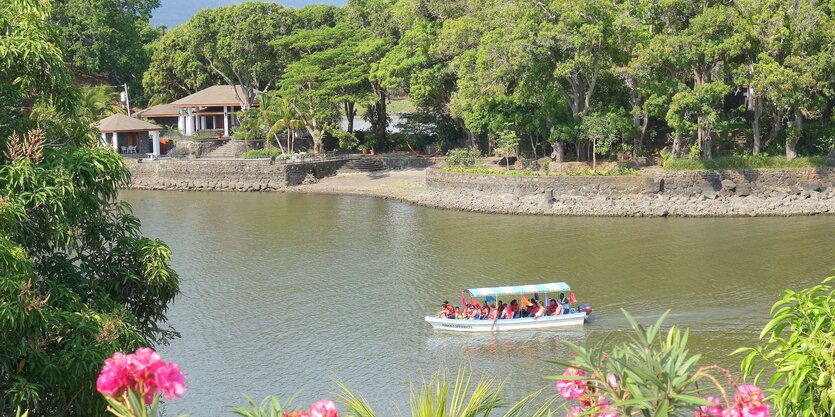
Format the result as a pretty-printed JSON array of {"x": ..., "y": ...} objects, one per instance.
[{"x": 444, "y": 311}]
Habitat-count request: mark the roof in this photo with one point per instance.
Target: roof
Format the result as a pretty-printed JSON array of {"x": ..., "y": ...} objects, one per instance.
[
  {"x": 122, "y": 123},
  {"x": 160, "y": 110},
  {"x": 520, "y": 289},
  {"x": 216, "y": 95}
]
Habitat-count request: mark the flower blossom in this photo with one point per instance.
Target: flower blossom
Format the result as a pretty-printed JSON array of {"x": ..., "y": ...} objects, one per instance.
[
  {"x": 571, "y": 389},
  {"x": 613, "y": 381},
  {"x": 715, "y": 410},
  {"x": 605, "y": 408},
  {"x": 143, "y": 371},
  {"x": 323, "y": 408},
  {"x": 575, "y": 412},
  {"x": 749, "y": 402}
]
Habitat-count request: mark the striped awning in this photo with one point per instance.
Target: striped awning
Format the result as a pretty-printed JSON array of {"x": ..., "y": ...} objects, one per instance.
[{"x": 520, "y": 289}]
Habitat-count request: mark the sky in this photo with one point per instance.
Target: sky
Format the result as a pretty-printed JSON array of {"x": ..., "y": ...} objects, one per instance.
[{"x": 173, "y": 12}]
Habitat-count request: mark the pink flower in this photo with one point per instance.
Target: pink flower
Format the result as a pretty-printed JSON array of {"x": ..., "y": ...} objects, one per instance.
[
  {"x": 749, "y": 402},
  {"x": 114, "y": 377},
  {"x": 571, "y": 389},
  {"x": 715, "y": 410},
  {"x": 613, "y": 381},
  {"x": 575, "y": 412},
  {"x": 605, "y": 409},
  {"x": 171, "y": 380},
  {"x": 323, "y": 408}
]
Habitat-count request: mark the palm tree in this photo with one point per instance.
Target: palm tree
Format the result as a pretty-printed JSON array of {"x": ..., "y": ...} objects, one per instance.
[
  {"x": 277, "y": 116},
  {"x": 99, "y": 102}
]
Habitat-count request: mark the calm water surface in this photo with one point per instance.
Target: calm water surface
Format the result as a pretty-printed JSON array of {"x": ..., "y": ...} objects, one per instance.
[{"x": 287, "y": 294}]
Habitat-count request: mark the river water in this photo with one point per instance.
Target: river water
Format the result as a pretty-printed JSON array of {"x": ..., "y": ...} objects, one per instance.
[{"x": 287, "y": 294}]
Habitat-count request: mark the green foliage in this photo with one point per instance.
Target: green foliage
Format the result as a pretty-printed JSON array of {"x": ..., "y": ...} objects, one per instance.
[
  {"x": 107, "y": 37},
  {"x": 347, "y": 140},
  {"x": 531, "y": 173},
  {"x": 176, "y": 69},
  {"x": 761, "y": 161},
  {"x": 802, "y": 360},
  {"x": 651, "y": 374},
  {"x": 261, "y": 153},
  {"x": 462, "y": 396},
  {"x": 79, "y": 279},
  {"x": 269, "y": 407},
  {"x": 463, "y": 157}
]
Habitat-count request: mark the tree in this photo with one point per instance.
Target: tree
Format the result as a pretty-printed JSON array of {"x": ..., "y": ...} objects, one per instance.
[
  {"x": 507, "y": 143},
  {"x": 107, "y": 37},
  {"x": 32, "y": 68},
  {"x": 175, "y": 70},
  {"x": 79, "y": 280},
  {"x": 276, "y": 114},
  {"x": 234, "y": 42},
  {"x": 603, "y": 130},
  {"x": 699, "y": 55},
  {"x": 326, "y": 76}
]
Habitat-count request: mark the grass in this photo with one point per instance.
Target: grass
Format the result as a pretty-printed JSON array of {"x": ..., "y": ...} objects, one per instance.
[
  {"x": 531, "y": 173},
  {"x": 261, "y": 153},
  {"x": 746, "y": 162}
]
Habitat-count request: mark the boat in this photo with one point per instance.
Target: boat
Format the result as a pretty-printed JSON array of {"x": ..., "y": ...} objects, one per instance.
[{"x": 576, "y": 317}]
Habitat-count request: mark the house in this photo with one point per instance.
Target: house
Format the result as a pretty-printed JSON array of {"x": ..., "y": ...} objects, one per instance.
[
  {"x": 128, "y": 135},
  {"x": 161, "y": 114},
  {"x": 212, "y": 111}
]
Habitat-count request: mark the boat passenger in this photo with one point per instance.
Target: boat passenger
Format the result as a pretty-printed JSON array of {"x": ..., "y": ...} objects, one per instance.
[
  {"x": 485, "y": 311},
  {"x": 564, "y": 302},
  {"x": 458, "y": 315},
  {"x": 507, "y": 313},
  {"x": 444, "y": 311},
  {"x": 514, "y": 308},
  {"x": 537, "y": 311},
  {"x": 552, "y": 308},
  {"x": 493, "y": 315}
]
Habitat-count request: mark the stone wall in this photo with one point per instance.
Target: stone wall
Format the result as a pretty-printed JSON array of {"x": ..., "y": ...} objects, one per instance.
[
  {"x": 762, "y": 182},
  {"x": 560, "y": 185},
  {"x": 407, "y": 161},
  {"x": 237, "y": 175},
  {"x": 195, "y": 148},
  {"x": 241, "y": 146},
  {"x": 677, "y": 183}
]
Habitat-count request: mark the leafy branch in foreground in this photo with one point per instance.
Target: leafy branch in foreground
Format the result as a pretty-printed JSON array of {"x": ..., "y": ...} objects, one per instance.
[
  {"x": 460, "y": 397},
  {"x": 652, "y": 374},
  {"x": 802, "y": 361}
]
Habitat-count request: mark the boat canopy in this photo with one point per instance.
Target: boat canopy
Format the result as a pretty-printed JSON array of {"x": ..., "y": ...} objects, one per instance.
[{"x": 520, "y": 289}]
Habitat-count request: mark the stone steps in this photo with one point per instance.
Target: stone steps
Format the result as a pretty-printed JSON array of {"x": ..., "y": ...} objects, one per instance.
[
  {"x": 224, "y": 151},
  {"x": 364, "y": 164}
]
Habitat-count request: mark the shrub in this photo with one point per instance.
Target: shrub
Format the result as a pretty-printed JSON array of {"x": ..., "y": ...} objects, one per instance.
[
  {"x": 463, "y": 157},
  {"x": 803, "y": 382},
  {"x": 651, "y": 374},
  {"x": 746, "y": 162},
  {"x": 347, "y": 140},
  {"x": 261, "y": 153},
  {"x": 531, "y": 173}
]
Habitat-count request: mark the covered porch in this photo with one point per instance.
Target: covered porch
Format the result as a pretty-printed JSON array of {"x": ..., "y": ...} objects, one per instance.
[
  {"x": 209, "y": 112},
  {"x": 129, "y": 136}
]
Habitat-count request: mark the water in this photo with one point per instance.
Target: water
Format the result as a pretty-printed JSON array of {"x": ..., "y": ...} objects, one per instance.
[{"x": 287, "y": 294}]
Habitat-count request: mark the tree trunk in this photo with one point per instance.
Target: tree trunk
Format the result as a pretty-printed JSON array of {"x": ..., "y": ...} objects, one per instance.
[
  {"x": 777, "y": 123},
  {"x": 381, "y": 117},
  {"x": 533, "y": 146},
  {"x": 642, "y": 137},
  {"x": 637, "y": 141},
  {"x": 677, "y": 145},
  {"x": 703, "y": 137},
  {"x": 594, "y": 155},
  {"x": 350, "y": 112},
  {"x": 755, "y": 123},
  {"x": 577, "y": 148},
  {"x": 558, "y": 154},
  {"x": 794, "y": 135}
]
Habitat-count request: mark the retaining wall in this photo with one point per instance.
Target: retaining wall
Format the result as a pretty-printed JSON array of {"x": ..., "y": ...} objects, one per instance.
[
  {"x": 233, "y": 175},
  {"x": 685, "y": 183}
]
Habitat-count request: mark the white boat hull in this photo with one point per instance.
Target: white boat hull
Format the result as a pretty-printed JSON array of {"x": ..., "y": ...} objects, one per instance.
[{"x": 564, "y": 320}]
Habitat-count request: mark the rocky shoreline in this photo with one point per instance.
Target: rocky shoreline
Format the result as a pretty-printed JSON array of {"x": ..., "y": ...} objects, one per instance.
[{"x": 792, "y": 202}]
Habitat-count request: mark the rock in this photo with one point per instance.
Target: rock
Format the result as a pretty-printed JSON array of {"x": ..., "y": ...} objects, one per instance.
[
  {"x": 709, "y": 193},
  {"x": 743, "y": 190},
  {"x": 794, "y": 190},
  {"x": 812, "y": 186},
  {"x": 654, "y": 185},
  {"x": 728, "y": 186},
  {"x": 805, "y": 194}
]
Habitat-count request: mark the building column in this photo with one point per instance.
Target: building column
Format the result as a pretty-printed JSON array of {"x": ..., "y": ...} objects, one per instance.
[
  {"x": 116, "y": 141},
  {"x": 202, "y": 122},
  {"x": 226, "y": 121},
  {"x": 103, "y": 139},
  {"x": 181, "y": 122},
  {"x": 189, "y": 120},
  {"x": 155, "y": 138}
]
